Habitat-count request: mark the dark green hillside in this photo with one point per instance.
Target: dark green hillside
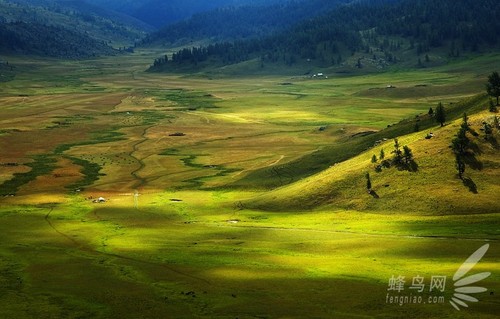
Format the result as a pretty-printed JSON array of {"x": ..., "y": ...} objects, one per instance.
[
  {"x": 52, "y": 41},
  {"x": 366, "y": 34},
  {"x": 103, "y": 25},
  {"x": 160, "y": 13},
  {"x": 241, "y": 22}
]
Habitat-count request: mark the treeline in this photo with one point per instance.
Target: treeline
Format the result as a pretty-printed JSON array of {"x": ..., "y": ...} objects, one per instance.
[
  {"x": 387, "y": 26},
  {"x": 460, "y": 24},
  {"x": 241, "y": 22},
  {"x": 52, "y": 41}
]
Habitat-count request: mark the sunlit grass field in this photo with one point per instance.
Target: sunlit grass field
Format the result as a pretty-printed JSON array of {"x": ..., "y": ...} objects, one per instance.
[{"x": 180, "y": 237}]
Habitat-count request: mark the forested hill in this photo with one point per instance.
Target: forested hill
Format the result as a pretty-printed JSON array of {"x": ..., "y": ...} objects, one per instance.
[
  {"x": 230, "y": 23},
  {"x": 115, "y": 29},
  {"x": 374, "y": 33},
  {"x": 53, "y": 41},
  {"x": 160, "y": 13}
]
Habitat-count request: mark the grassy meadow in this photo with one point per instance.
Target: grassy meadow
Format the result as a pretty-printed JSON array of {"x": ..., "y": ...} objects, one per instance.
[{"x": 238, "y": 196}]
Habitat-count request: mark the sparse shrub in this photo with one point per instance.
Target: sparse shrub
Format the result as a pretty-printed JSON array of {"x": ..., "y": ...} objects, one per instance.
[
  {"x": 488, "y": 129},
  {"x": 374, "y": 158},
  {"x": 386, "y": 164}
]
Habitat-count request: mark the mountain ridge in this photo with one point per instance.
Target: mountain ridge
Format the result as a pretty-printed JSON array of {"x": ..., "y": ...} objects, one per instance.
[{"x": 363, "y": 34}]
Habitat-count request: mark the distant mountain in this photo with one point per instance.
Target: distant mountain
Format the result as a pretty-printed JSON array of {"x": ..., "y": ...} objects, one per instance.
[
  {"x": 368, "y": 34},
  {"x": 78, "y": 16},
  {"x": 160, "y": 13},
  {"x": 248, "y": 21},
  {"x": 125, "y": 6},
  {"x": 53, "y": 41}
]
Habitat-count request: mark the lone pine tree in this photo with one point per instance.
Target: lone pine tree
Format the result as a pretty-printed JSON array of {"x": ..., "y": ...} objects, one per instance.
[
  {"x": 440, "y": 114},
  {"x": 493, "y": 85}
]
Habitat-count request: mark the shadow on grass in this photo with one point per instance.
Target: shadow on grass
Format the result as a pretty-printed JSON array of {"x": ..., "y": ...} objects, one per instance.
[
  {"x": 493, "y": 141},
  {"x": 469, "y": 183},
  {"x": 473, "y": 162},
  {"x": 373, "y": 193},
  {"x": 410, "y": 166},
  {"x": 475, "y": 148}
]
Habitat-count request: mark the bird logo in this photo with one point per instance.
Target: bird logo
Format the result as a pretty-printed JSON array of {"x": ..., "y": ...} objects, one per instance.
[{"x": 464, "y": 286}]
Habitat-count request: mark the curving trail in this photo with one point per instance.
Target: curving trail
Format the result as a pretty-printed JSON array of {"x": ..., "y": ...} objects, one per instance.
[
  {"x": 277, "y": 161},
  {"x": 135, "y": 173},
  {"x": 51, "y": 225},
  {"x": 87, "y": 249}
]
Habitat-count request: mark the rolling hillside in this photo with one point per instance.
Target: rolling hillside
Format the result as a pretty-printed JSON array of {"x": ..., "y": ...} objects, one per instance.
[
  {"x": 433, "y": 187},
  {"x": 304, "y": 172}
]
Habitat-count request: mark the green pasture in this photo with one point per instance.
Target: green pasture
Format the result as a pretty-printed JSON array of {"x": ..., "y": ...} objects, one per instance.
[
  {"x": 193, "y": 254},
  {"x": 237, "y": 196}
]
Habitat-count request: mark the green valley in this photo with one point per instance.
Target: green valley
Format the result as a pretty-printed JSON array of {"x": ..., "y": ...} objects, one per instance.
[
  {"x": 227, "y": 190},
  {"x": 197, "y": 225}
]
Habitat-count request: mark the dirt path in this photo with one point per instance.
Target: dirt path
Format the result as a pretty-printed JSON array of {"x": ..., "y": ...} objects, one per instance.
[
  {"x": 258, "y": 166},
  {"x": 277, "y": 161},
  {"x": 51, "y": 225},
  {"x": 140, "y": 180},
  {"x": 87, "y": 249}
]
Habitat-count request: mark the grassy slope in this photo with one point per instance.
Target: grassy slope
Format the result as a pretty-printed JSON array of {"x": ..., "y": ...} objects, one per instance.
[
  {"x": 64, "y": 257},
  {"x": 350, "y": 146},
  {"x": 433, "y": 189}
]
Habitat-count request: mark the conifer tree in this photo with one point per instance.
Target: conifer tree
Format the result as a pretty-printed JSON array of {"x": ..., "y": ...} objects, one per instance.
[
  {"x": 407, "y": 154},
  {"x": 493, "y": 85},
  {"x": 493, "y": 107},
  {"x": 460, "y": 165},
  {"x": 440, "y": 114},
  {"x": 398, "y": 155}
]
